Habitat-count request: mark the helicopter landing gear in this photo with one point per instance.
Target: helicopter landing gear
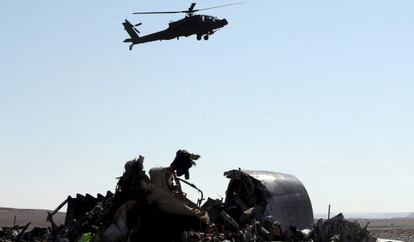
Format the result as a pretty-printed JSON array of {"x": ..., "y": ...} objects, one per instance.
[
  {"x": 199, "y": 37},
  {"x": 206, "y": 37}
]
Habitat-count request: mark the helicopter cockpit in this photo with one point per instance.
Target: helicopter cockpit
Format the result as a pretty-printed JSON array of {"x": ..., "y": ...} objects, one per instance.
[{"x": 206, "y": 18}]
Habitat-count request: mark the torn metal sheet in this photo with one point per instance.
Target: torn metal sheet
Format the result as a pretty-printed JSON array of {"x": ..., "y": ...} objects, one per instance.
[{"x": 286, "y": 197}]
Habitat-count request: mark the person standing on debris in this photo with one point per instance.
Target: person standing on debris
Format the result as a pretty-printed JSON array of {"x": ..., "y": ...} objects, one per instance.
[{"x": 182, "y": 163}]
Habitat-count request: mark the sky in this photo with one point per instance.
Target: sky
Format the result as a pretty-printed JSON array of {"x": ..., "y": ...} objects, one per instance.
[{"x": 320, "y": 89}]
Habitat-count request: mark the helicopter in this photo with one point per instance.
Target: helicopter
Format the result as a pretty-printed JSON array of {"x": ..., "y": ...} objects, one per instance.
[{"x": 192, "y": 24}]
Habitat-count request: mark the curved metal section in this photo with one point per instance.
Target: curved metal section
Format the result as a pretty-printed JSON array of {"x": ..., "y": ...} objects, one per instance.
[{"x": 289, "y": 201}]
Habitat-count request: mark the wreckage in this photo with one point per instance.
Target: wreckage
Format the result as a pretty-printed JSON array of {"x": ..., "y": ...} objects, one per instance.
[
  {"x": 259, "y": 206},
  {"x": 284, "y": 196}
]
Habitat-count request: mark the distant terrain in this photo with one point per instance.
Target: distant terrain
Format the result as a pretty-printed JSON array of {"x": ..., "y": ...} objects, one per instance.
[
  {"x": 36, "y": 217},
  {"x": 393, "y": 228},
  {"x": 368, "y": 215}
]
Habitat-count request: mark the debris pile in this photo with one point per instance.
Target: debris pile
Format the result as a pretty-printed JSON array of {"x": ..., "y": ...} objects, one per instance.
[
  {"x": 339, "y": 229},
  {"x": 259, "y": 206},
  {"x": 18, "y": 233}
]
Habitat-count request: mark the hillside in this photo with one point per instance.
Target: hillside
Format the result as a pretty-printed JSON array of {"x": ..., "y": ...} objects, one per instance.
[{"x": 37, "y": 217}]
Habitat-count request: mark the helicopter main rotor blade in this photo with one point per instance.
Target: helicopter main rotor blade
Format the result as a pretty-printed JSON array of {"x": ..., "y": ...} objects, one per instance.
[
  {"x": 220, "y": 6},
  {"x": 164, "y": 12},
  {"x": 190, "y": 10}
]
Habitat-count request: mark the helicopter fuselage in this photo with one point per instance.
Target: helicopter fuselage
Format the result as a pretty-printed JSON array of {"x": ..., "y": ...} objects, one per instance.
[{"x": 199, "y": 25}]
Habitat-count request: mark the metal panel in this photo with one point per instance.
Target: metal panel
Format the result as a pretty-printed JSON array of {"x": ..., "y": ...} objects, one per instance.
[{"x": 289, "y": 202}]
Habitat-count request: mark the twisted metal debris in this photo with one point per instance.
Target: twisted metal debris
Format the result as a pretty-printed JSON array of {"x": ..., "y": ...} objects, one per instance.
[{"x": 259, "y": 206}]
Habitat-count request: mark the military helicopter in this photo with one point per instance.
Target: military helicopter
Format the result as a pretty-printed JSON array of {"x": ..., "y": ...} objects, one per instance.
[{"x": 192, "y": 24}]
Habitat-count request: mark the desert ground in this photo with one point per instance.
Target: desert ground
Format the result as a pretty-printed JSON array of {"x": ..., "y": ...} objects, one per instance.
[
  {"x": 36, "y": 217},
  {"x": 394, "y": 228}
]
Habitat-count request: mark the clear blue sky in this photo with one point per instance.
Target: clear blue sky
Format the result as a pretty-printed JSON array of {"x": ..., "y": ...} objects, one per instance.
[{"x": 321, "y": 89}]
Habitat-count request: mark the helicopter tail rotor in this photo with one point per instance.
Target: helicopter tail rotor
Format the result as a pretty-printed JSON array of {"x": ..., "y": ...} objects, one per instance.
[
  {"x": 136, "y": 25},
  {"x": 132, "y": 32},
  {"x": 131, "y": 29}
]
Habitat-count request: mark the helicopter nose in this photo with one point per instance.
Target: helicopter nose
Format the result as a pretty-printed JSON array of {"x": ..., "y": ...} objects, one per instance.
[{"x": 224, "y": 21}]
